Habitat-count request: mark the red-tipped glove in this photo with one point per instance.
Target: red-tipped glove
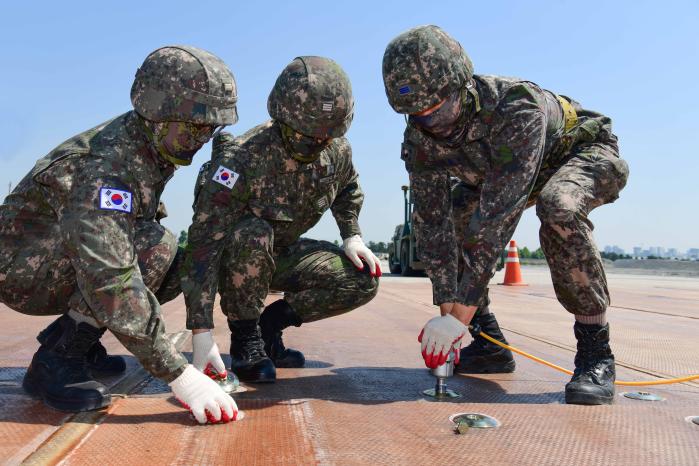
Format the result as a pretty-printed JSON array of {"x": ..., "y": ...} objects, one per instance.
[
  {"x": 439, "y": 336},
  {"x": 205, "y": 352},
  {"x": 203, "y": 397},
  {"x": 356, "y": 250}
]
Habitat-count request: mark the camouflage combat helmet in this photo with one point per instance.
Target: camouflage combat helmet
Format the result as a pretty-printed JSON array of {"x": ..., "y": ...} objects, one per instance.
[
  {"x": 422, "y": 67},
  {"x": 313, "y": 96},
  {"x": 183, "y": 83}
]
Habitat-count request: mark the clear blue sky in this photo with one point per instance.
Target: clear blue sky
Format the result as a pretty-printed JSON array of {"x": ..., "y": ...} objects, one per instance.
[{"x": 67, "y": 66}]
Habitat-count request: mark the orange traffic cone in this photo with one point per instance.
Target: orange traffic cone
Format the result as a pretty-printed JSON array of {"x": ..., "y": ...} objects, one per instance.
[{"x": 513, "y": 275}]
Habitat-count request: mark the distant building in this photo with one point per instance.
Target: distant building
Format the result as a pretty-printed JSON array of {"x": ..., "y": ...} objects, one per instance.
[
  {"x": 613, "y": 249},
  {"x": 637, "y": 251}
]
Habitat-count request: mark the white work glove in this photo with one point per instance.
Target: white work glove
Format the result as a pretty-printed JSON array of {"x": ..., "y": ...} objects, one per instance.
[
  {"x": 203, "y": 397},
  {"x": 356, "y": 250},
  {"x": 205, "y": 353},
  {"x": 438, "y": 337}
]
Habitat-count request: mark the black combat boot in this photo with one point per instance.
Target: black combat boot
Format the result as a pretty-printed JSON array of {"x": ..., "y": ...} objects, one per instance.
[
  {"x": 593, "y": 379},
  {"x": 482, "y": 356},
  {"x": 98, "y": 361},
  {"x": 275, "y": 318},
  {"x": 248, "y": 358},
  {"x": 59, "y": 373}
]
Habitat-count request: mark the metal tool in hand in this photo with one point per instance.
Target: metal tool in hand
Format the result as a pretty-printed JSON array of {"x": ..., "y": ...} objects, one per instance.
[{"x": 442, "y": 373}]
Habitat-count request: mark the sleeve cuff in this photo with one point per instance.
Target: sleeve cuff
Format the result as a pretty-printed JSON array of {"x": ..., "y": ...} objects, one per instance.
[
  {"x": 349, "y": 229},
  {"x": 441, "y": 294},
  {"x": 199, "y": 321},
  {"x": 167, "y": 378},
  {"x": 472, "y": 295}
]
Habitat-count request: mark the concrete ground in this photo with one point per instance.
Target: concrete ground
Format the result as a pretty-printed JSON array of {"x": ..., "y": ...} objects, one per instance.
[{"x": 359, "y": 399}]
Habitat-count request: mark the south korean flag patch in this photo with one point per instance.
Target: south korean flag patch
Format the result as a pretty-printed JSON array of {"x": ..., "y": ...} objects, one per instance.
[
  {"x": 225, "y": 176},
  {"x": 115, "y": 199}
]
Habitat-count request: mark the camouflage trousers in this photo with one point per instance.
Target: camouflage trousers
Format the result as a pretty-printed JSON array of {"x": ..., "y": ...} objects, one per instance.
[
  {"x": 316, "y": 277},
  {"x": 52, "y": 289},
  {"x": 591, "y": 175}
]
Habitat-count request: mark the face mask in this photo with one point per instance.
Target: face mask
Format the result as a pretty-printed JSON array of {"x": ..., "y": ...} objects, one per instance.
[
  {"x": 178, "y": 141},
  {"x": 444, "y": 122},
  {"x": 303, "y": 148}
]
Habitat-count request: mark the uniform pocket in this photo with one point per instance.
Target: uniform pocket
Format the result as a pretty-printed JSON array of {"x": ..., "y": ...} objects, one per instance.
[
  {"x": 609, "y": 171},
  {"x": 273, "y": 212}
]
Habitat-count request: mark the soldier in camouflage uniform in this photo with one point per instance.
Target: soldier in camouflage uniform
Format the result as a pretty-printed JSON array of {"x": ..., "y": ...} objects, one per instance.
[
  {"x": 511, "y": 145},
  {"x": 255, "y": 199},
  {"x": 79, "y": 237}
]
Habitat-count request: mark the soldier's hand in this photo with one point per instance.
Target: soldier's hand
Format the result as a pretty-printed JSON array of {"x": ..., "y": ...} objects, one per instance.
[
  {"x": 439, "y": 336},
  {"x": 205, "y": 351},
  {"x": 203, "y": 397},
  {"x": 356, "y": 250}
]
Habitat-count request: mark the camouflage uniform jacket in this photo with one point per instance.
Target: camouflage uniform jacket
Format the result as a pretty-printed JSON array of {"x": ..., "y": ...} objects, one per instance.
[
  {"x": 519, "y": 130},
  {"x": 269, "y": 184},
  {"x": 60, "y": 201}
]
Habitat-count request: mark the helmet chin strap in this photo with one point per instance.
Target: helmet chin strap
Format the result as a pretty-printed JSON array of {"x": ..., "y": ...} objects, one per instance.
[{"x": 471, "y": 89}]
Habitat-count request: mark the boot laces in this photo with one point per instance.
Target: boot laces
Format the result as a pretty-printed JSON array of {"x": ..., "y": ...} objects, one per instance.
[
  {"x": 250, "y": 344},
  {"x": 80, "y": 343},
  {"x": 591, "y": 354}
]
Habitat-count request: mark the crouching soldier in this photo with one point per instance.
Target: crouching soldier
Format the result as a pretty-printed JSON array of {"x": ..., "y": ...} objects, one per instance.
[
  {"x": 79, "y": 237},
  {"x": 511, "y": 145},
  {"x": 254, "y": 200}
]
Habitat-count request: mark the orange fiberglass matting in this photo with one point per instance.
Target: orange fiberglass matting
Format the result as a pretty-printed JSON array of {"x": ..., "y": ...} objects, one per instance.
[{"x": 359, "y": 400}]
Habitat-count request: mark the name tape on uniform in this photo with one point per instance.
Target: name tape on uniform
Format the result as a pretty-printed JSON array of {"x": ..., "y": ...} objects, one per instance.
[
  {"x": 225, "y": 176},
  {"x": 115, "y": 199}
]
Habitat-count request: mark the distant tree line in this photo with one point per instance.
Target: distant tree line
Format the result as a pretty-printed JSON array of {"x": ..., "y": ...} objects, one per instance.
[
  {"x": 525, "y": 253},
  {"x": 377, "y": 247},
  {"x": 612, "y": 256}
]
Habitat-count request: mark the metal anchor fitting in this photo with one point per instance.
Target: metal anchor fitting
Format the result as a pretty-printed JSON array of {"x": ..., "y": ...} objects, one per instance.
[{"x": 442, "y": 373}]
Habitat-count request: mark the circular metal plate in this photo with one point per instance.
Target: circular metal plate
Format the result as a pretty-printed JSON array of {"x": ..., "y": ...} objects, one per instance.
[
  {"x": 230, "y": 384},
  {"x": 437, "y": 397},
  {"x": 475, "y": 420},
  {"x": 644, "y": 396}
]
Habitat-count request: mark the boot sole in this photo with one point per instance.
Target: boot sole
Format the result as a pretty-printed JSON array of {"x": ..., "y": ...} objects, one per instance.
[
  {"x": 487, "y": 369},
  {"x": 289, "y": 366},
  {"x": 588, "y": 399},
  {"x": 34, "y": 390},
  {"x": 102, "y": 373},
  {"x": 255, "y": 379}
]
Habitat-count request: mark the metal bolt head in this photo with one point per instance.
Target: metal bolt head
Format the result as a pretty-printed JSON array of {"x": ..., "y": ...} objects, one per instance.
[
  {"x": 475, "y": 420},
  {"x": 461, "y": 427}
]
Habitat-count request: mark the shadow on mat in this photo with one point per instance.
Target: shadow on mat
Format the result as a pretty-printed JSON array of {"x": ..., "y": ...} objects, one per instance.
[{"x": 380, "y": 385}]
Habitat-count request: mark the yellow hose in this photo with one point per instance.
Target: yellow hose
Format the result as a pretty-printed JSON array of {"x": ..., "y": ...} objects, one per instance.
[{"x": 559, "y": 368}]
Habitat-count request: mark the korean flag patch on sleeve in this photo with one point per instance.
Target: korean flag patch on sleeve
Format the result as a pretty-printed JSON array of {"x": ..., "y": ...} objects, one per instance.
[
  {"x": 115, "y": 199},
  {"x": 225, "y": 176}
]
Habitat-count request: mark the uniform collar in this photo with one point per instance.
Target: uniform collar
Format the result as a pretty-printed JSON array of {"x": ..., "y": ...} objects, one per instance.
[{"x": 125, "y": 141}]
